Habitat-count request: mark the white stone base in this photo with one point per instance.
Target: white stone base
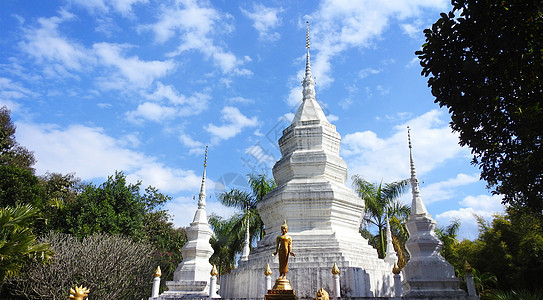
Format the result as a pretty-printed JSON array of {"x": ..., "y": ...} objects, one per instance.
[
  {"x": 362, "y": 273},
  {"x": 184, "y": 289}
]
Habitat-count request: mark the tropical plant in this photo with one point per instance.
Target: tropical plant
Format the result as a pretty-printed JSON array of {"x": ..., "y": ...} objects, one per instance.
[
  {"x": 111, "y": 266},
  {"x": 381, "y": 200},
  {"x": 18, "y": 245},
  {"x": 448, "y": 235},
  {"x": 246, "y": 202},
  {"x": 224, "y": 250}
]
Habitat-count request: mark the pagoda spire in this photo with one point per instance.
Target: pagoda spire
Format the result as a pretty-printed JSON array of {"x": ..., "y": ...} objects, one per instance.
[
  {"x": 308, "y": 82},
  {"x": 390, "y": 255},
  {"x": 202, "y": 195},
  {"x": 417, "y": 205}
]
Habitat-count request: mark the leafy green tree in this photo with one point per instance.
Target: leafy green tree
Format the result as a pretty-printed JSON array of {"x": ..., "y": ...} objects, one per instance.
[
  {"x": 114, "y": 207},
  {"x": 484, "y": 60},
  {"x": 19, "y": 186},
  {"x": 448, "y": 236},
  {"x": 382, "y": 200},
  {"x": 11, "y": 153},
  {"x": 246, "y": 202},
  {"x": 18, "y": 244},
  {"x": 222, "y": 241}
]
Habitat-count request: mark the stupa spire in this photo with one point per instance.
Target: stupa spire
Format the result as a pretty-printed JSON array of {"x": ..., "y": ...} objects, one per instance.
[
  {"x": 202, "y": 195},
  {"x": 417, "y": 205},
  {"x": 308, "y": 82},
  {"x": 309, "y": 110},
  {"x": 390, "y": 255},
  {"x": 246, "y": 244}
]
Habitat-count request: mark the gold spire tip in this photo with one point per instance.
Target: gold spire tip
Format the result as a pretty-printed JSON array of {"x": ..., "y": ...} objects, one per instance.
[
  {"x": 268, "y": 270},
  {"x": 214, "y": 271},
  {"x": 307, "y": 36},
  {"x": 205, "y": 158},
  {"x": 409, "y": 136},
  {"x": 158, "y": 272},
  {"x": 335, "y": 269}
]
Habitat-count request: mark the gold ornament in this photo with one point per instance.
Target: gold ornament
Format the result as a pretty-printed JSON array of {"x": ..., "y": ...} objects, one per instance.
[{"x": 80, "y": 293}]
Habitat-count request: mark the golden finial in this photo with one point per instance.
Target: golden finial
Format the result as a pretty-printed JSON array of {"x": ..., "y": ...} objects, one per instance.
[
  {"x": 307, "y": 36},
  {"x": 322, "y": 294},
  {"x": 467, "y": 267},
  {"x": 409, "y": 136},
  {"x": 396, "y": 270},
  {"x": 80, "y": 293},
  {"x": 335, "y": 269},
  {"x": 214, "y": 271},
  {"x": 205, "y": 158},
  {"x": 268, "y": 270},
  {"x": 158, "y": 272}
]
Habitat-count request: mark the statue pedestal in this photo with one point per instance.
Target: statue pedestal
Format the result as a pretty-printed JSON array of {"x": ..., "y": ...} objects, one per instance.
[
  {"x": 282, "y": 290},
  {"x": 280, "y": 295}
]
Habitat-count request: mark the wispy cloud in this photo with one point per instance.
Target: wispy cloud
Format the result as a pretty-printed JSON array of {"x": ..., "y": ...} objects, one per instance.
[
  {"x": 265, "y": 19},
  {"x": 196, "y": 25},
  {"x": 54, "y": 52},
  {"x": 134, "y": 70},
  {"x": 387, "y": 158},
  {"x": 233, "y": 123},
  {"x": 93, "y": 154},
  {"x": 124, "y": 7}
]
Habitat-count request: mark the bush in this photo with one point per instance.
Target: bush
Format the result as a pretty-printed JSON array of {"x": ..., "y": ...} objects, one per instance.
[{"x": 111, "y": 266}]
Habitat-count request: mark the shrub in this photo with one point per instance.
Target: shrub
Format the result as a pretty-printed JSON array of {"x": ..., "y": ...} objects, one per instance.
[{"x": 111, "y": 266}]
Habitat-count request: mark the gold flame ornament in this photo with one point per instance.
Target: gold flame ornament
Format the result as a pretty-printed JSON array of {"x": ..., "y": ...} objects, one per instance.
[
  {"x": 79, "y": 293},
  {"x": 322, "y": 294},
  {"x": 335, "y": 269},
  {"x": 214, "y": 271},
  {"x": 158, "y": 272},
  {"x": 268, "y": 270}
]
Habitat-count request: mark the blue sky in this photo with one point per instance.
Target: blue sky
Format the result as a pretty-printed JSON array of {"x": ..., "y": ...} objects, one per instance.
[{"x": 142, "y": 86}]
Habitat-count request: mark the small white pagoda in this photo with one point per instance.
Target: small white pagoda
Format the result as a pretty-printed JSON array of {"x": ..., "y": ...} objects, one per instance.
[
  {"x": 427, "y": 275},
  {"x": 192, "y": 276}
]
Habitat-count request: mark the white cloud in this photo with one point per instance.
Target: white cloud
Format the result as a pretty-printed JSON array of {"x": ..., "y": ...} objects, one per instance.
[
  {"x": 386, "y": 158},
  {"x": 138, "y": 72},
  {"x": 368, "y": 71},
  {"x": 194, "y": 25},
  {"x": 484, "y": 206},
  {"x": 47, "y": 46},
  {"x": 177, "y": 105},
  {"x": 182, "y": 209},
  {"x": 123, "y": 7},
  {"x": 341, "y": 25},
  {"x": 265, "y": 19},
  {"x": 445, "y": 190},
  {"x": 195, "y": 147},
  {"x": 92, "y": 154},
  {"x": 233, "y": 123},
  {"x": 13, "y": 90}
]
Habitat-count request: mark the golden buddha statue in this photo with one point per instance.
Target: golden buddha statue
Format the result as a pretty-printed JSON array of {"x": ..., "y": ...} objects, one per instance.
[{"x": 284, "y": 249}]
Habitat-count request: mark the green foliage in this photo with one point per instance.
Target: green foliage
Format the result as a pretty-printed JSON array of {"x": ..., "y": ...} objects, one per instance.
[
  {"x": 167, "y": 241},
  {"x": 485, "y": 62},
  {"x": 511, "y": 248},
  {"x": 114, "y": 207},
  {"x": 513, "y": 295},
  {"x": 19, "y": 186},
  {"x": 11, "y": 153},
  {"x": 18, "y": 244},
  {"x": 448, "y": 235},
  {"x": 247, "y": 202},
  {"x": 111, "y": 266},
  {"x": 380, "y": 201},
  {"x": 222, "y": 241}
]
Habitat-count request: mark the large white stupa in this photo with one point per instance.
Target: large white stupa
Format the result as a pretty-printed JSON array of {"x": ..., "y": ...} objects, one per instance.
[{"x": 322, "y": 213}]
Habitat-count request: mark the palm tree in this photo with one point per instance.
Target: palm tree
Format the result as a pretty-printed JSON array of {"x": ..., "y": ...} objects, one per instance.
[
  {"x": 246, "y": 202},
  {"x": 382, "y": 200},
  {"x": 223, "y": 252},
  {"x": 17, "y": 241}
]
